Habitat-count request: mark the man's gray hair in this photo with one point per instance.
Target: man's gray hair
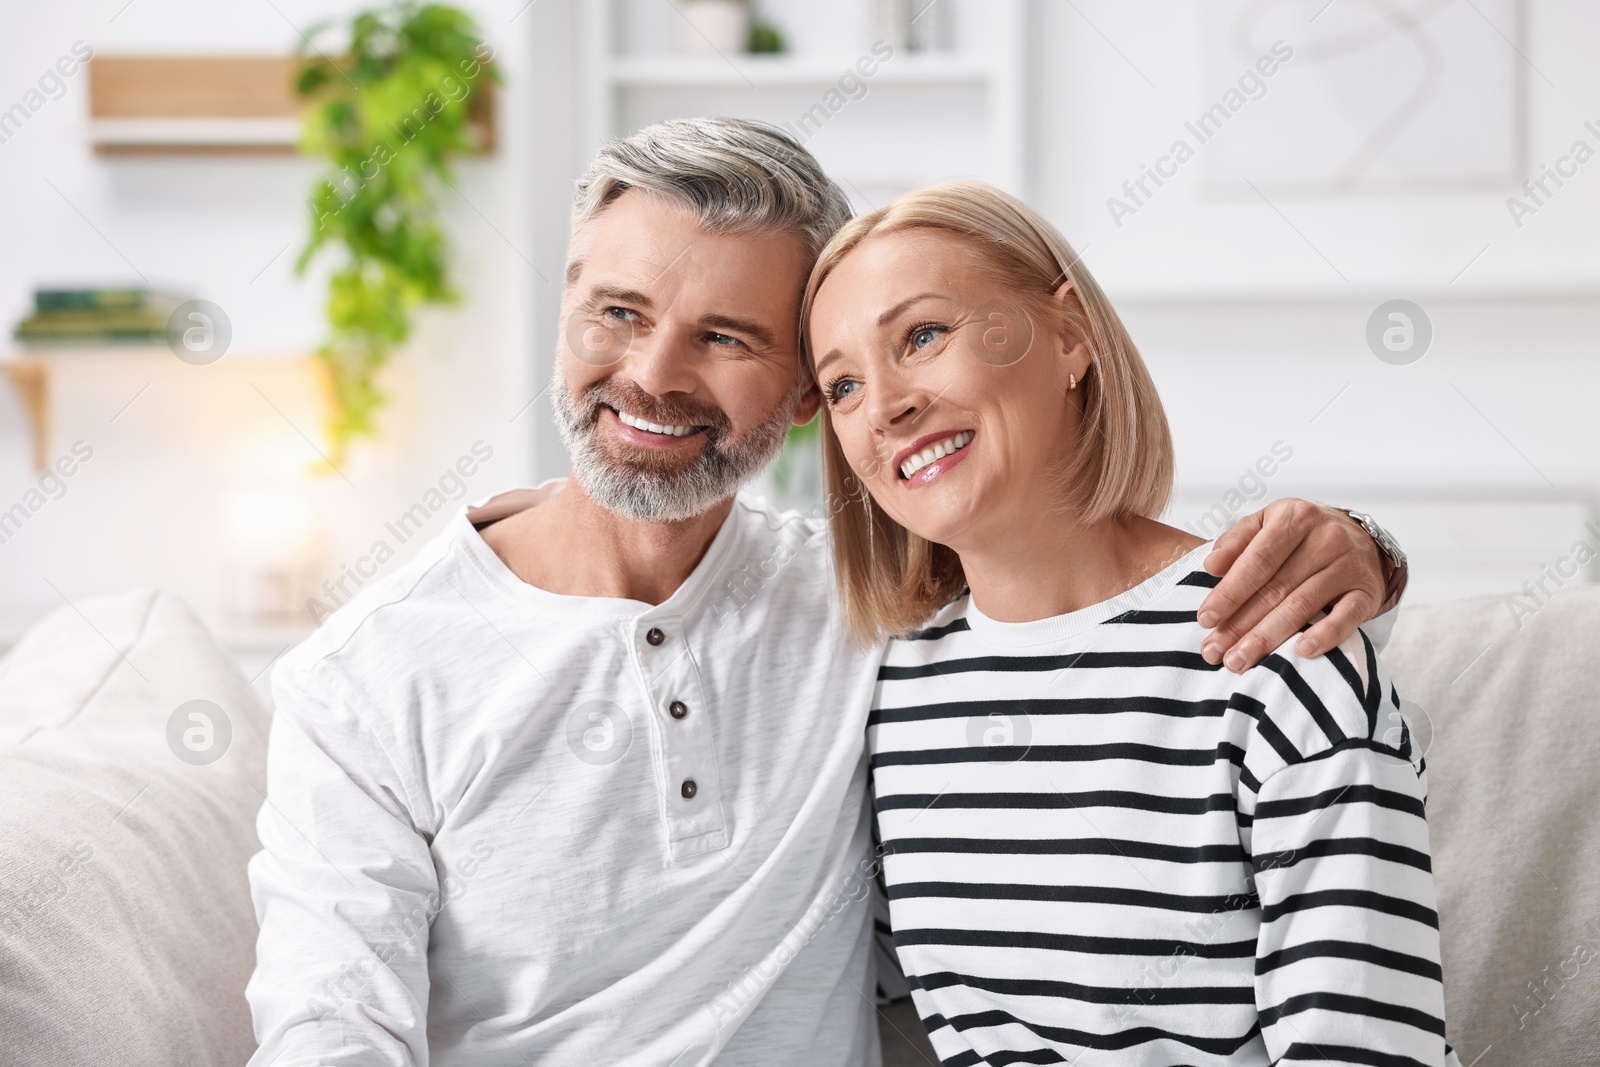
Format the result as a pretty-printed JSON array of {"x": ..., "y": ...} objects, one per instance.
[{"x": 736, "y": 176}]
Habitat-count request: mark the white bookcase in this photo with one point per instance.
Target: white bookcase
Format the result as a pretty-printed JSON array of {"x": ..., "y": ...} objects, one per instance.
[{"x": 923, "y": 116}]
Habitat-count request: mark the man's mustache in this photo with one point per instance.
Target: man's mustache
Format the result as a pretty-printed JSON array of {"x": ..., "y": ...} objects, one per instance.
[{"x": 670, "y": 410}]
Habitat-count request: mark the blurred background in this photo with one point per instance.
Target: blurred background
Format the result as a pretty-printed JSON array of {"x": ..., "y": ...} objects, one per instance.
[{"x": 1356, "y": 241}]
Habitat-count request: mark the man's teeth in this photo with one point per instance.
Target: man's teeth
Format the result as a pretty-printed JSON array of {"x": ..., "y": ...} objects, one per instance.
[
  {"x": 654, "y": 427},
  {"x": 935, "y": 451}
]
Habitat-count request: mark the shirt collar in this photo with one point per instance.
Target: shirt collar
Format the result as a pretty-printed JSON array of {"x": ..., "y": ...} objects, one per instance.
[{"x": 685, "y": 601}]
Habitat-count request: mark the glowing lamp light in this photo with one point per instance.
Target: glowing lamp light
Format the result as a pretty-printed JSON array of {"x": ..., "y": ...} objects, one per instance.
[{"x": 273, "y": 537}]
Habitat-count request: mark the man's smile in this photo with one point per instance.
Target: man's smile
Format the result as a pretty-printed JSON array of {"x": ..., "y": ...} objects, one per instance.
[
  {"x": 640, "y": 431},
  {"x": 639, "y": 423}
]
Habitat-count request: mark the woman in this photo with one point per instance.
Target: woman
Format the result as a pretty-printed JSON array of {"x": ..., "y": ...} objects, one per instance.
[{"x": 1097, "y": 845}]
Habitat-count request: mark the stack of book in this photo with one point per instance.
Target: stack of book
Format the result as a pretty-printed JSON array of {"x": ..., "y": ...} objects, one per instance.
[{"x": 84, "y": 317}]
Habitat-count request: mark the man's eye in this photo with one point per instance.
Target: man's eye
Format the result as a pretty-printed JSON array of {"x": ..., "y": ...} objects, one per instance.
[
  {"x": 621, "y": 314},
  {"x": 923, "y": 336},
  {"x": 723, "y": 339}
]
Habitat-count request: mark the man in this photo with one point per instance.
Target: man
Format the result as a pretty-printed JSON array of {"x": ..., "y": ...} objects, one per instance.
[{"x": 587, "y": 786}]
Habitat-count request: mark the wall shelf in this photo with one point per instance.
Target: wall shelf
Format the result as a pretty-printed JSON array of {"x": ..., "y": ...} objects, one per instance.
[
  {"x": 31, "y": 372},
  {"x": 204, "y": 104},
  {"x": 163, "y": 135},
  {"x": 872, "y": 134},
  {"x": 744, "y": 71},
  {"x": 31, "y": 379}
]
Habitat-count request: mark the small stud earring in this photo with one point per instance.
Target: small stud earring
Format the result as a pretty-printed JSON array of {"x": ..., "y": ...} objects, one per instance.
[{"x": 1072, "y": 382}]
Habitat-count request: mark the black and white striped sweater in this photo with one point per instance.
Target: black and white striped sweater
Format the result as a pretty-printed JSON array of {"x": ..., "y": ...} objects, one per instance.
[{"x": 1100, "y": 849}]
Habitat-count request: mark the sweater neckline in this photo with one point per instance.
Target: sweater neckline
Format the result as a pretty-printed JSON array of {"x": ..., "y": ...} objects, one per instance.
[{"x": 1058, "y": 628}]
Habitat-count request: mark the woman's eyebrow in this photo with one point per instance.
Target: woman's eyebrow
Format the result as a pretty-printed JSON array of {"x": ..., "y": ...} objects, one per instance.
[
  {"x": 887, "y": 316},
  {"x": 907, "y": 302}
]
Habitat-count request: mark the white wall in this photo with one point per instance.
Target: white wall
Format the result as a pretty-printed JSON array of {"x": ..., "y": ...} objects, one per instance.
[
  {"x": 1099, "y": 120},
  {"x": 1250, "y": 332},
  {"x": 147, "y": 509}
]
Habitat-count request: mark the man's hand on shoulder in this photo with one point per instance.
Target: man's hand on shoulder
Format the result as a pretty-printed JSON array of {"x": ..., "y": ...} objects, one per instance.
[{"x": 1280, "y": 568}]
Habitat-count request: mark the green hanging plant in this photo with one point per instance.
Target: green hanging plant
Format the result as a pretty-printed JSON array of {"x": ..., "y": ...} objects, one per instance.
[{"x": 390, "y": 110}]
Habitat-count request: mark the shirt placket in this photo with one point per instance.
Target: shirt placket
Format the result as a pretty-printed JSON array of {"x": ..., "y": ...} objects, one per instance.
[{"x": 685, "y": 749}]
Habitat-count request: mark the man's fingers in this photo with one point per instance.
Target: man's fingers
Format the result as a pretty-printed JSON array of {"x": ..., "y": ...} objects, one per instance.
[
  {"x": 1283, "y": 567},
  {"x": 1285, "y": 615},
  {"x": 1279, "y": 535},
  {"x": 1257, "y": 606},
  {"x": 1302, "y": 605},
  {"x": 1343, "y": 618},
  {"x": 1231, "y": 543},
  {"x": 1350, "y": 610}
]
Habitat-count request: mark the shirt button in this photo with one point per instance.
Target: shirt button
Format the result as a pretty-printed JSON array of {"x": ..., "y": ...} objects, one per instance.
[
  {"x": 678, "y": 709},
  {"x": 689, "y": 789},
  {"x": 655, "y": 636}
]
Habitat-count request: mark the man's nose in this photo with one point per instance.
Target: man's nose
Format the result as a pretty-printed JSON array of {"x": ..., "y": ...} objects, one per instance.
[{"x": 663, "y": 362}]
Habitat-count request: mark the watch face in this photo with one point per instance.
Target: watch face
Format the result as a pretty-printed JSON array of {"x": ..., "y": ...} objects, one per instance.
[{"x": 1386, "y": 543}]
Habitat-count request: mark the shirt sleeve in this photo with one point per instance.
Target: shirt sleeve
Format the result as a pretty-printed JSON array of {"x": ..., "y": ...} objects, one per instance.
[
  {"x": 344, "y": 889},
  {"x": 1348, "y": 959}
]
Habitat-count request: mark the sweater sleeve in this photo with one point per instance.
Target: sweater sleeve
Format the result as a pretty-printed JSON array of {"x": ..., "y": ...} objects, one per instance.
[{"x": 1348, "y": 959}]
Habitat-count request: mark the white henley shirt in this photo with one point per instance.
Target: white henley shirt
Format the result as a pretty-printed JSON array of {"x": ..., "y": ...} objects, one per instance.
[{"x": 505, "y": 826}]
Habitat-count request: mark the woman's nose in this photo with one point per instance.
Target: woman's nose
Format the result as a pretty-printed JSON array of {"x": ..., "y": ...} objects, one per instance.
[{"x": 892, "y": 404}]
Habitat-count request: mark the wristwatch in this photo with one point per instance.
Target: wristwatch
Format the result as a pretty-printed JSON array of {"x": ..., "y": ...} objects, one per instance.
[{"x": 1386, "y": 543}]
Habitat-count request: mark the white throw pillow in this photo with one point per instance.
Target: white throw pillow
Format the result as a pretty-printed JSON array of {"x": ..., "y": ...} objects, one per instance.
[
  {"x": 126, "y": 928},
  {"x": 1510, "y": 723}
]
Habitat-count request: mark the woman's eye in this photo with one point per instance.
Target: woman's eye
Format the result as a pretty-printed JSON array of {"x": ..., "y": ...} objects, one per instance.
[
  {"x": 842, "y": 389},
  {"x": 926, "y": 335}
]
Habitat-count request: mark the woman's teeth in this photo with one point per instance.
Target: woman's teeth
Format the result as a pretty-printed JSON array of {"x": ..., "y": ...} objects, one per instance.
[
  {"x": 654, "y": 427},
  {"x": 935, "y": 451}
]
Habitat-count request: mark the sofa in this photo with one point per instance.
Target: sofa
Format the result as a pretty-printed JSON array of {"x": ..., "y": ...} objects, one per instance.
[{"x": 127, "y": 933}]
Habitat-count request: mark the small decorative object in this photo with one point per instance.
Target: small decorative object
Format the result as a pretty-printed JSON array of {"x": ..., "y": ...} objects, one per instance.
[
  {"x": 891, "y": 23},
  {"x": 391, "y": 111},
  {"x": 913, "y": 25},
  {"x": 930, "y": 26},
  {"x": 713, "y": 27},
  {"x": 765, "y": 38}
]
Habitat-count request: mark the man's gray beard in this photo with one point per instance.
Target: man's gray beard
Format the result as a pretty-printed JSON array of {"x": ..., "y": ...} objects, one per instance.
[{"x": 648, "y": 493}]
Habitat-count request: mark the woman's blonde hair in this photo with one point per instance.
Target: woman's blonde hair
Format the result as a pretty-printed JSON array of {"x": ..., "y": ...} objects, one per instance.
[{"x": 890, "y": 579}]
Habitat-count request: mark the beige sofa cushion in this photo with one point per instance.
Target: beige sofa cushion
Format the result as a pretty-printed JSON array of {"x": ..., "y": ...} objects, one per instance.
[
  {"x": 1512, "y": 774},
  {"x": 126, "y": 929}
]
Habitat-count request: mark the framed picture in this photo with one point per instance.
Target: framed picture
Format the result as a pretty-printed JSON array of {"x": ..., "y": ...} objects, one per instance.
[{"x": 1336, "y": 96}]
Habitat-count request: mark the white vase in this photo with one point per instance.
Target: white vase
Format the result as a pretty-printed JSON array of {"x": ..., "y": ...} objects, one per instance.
[
  {"x": 891, "y": 23},
  {"x": 713, "y": 27},
  {"x": 929, "y": 30}
]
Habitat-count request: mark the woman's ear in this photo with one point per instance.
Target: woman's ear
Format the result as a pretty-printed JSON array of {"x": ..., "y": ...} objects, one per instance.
[{"x": 1073, "y": 352}]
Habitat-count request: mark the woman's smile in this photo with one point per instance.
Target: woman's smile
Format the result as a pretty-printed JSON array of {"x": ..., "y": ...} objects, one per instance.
[{"x": 931, "y": 456}]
